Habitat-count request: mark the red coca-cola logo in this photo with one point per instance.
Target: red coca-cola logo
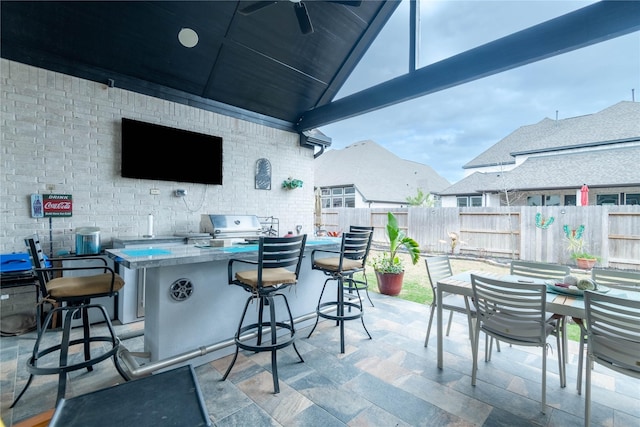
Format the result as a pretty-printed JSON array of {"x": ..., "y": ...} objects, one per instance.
[{"x": 57, "y": 206}]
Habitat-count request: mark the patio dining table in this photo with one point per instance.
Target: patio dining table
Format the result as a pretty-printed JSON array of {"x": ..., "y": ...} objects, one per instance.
[{"x": 557, "y": 303}]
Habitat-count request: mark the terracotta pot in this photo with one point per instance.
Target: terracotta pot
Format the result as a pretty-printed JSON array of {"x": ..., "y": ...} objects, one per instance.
[
  {"x": 585, "y": 263},
  {"x": 389, "y": 283}
]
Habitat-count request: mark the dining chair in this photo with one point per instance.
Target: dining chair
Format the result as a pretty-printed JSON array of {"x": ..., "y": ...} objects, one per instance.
[
  {"x": 616, "y": 279},
  {"x": 613, "y": 337},
  {"x": 547, "y": 271},
  {"x": 514, "y": 313},
  {"x": 438, "y": 268},
  {"x": 276, "y": 269},
  {"x": 539, "y": 270}
]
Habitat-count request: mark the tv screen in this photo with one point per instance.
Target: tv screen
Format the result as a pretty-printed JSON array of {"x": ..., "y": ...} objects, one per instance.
[{"x": 151, "y": 151}]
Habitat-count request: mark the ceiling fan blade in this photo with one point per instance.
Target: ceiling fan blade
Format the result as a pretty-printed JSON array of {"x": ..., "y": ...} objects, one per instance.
[
  {"x": 303, "y": 18},
  {"x": 353, "y": 3},
  {"x": 255, "y": 7}
]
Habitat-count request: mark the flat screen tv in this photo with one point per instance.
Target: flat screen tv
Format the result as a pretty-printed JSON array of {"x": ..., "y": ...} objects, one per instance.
[{"x": 151, "y": 151}]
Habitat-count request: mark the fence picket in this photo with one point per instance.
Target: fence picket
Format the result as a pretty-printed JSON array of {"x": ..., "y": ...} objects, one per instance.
[{"x": 522, "y": 232}]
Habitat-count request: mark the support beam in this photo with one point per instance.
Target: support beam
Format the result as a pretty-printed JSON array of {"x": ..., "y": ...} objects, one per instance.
[
  {"x": 414, "y": 35},
  {"x": 584, "y": 27}
]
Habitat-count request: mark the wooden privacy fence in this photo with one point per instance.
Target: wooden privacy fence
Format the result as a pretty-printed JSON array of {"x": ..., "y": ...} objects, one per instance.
[{"x": 529, "y": 233}]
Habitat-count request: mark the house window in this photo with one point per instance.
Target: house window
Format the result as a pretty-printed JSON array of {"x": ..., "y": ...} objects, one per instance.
[
  {"x": 542, "y": 200},
  {"x": 534, "y": 200},
  {"x": 476, "y": 201},
  {"x": 339, "y": 197},
  {"x": 570, "y": 200},
  {"x": 607, "y": 199},
  {"x": 632, "y": 199},
  {"x": 466, "y": 201},
  {"x": 552, "y": 200}
]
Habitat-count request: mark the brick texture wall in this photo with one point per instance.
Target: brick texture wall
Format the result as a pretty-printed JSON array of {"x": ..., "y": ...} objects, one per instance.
[{"x": 61, "y": 135}]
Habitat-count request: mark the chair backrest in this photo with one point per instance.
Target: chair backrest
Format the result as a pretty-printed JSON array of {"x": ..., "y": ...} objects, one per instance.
[
  {"x": 515, "y": 311},
  {"x": 38, "y": 262},
  {"x": 628, "y": 280},
  {"x": 363, "y": 229},
  {"x": 539, "y": 270},
  {"x": 281, "y": 252},
  {"x": 354, "y": 246},
  {"x": 613, "y": 331},
  {"x": 356, "y": 228},
  {"x": 438, "y": 267}
]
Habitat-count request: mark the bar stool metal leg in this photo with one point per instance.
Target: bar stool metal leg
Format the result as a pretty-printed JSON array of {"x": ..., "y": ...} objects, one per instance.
[{"x": 275, "y": 342}]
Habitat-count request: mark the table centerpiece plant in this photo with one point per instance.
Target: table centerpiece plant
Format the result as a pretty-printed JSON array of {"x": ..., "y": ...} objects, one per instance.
[{"x": 389, "y": 267}]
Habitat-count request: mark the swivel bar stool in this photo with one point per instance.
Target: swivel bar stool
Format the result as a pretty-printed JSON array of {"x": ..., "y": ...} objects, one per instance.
[
  {"x": 341, "y": 268},
  {"x": 358, "y": 229},
  {"x": 277, "y": 268},
  {"x": 71, "y": 297}
]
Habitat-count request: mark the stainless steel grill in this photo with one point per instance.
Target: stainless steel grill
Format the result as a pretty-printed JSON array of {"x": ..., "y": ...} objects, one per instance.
[{"x": 231, "y": 226}]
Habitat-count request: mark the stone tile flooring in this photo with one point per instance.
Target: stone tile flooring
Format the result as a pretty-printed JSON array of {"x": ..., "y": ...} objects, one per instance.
[{"x": 391, "y": 380}]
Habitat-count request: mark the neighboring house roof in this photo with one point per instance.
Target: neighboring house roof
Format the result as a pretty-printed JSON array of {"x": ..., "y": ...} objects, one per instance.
[
  {"x": 378, "y": 174},
  {"x": 613, "y": 167},
  {"x": 618, "y": 123}
]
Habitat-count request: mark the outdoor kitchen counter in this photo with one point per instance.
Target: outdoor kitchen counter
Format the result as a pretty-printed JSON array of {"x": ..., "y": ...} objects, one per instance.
[
  {"x": 162, "y": 255},
  {"x": 191, "y": 313}
]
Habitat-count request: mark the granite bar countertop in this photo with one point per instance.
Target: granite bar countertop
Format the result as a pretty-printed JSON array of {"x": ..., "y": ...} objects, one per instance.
[
  {"x": 165, "y": 255},
  {"x": 123, "y": 242}
]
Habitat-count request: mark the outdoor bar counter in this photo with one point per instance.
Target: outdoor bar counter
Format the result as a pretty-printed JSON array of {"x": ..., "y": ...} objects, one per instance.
[{"x": 191, "y": 312}]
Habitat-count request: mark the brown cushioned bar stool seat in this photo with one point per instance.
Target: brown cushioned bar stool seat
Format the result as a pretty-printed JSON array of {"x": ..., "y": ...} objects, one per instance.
[
  {"x": 341, "y": 268},
  {"x": 71, "y": 299},
  {"x": 277, "y": 268}
]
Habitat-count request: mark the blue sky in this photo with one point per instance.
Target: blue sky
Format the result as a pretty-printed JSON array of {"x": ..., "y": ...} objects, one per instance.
[{"x": 447, "y": 129}]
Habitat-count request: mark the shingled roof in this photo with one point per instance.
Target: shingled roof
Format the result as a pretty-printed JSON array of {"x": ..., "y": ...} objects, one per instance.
[
  {"x": 378, "y": 174},
  {"x": 615, "y": 167},
  {"x": 618, "y": 123}
]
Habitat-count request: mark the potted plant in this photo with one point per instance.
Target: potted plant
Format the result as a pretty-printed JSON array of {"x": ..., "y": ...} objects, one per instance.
[
  {"x": 575, "y": 245},
  {"x": 389, "y": 266}
]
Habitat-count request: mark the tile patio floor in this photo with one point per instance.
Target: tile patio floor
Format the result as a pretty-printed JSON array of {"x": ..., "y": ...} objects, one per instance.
[{"x": 391, "y": 380}]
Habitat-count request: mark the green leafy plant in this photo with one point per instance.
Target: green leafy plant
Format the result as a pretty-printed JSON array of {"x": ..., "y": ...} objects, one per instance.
[
  {"x": 291, "y": 183},
  {"x": 421, "y": 199},
  {"x": 389, "y": 261}
]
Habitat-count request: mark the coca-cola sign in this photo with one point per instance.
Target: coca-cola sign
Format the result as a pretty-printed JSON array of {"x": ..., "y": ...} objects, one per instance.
[{"x": 57, "y": 204}]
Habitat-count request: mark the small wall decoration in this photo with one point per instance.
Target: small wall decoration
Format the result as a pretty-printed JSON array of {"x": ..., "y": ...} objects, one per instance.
[
  {"x": 263, "y": 174},
  {"x": 542, "y": 222},
  {"x": 291, "y": 183},
  {"x": 51, "y": 205}
]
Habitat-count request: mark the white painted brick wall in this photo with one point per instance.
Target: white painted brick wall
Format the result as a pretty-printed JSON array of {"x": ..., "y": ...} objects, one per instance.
[{"x": 62, "y": 132}]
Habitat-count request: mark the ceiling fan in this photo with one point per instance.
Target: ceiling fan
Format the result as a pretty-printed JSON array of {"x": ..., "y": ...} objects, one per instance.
[{"x": 300, "y": 9}]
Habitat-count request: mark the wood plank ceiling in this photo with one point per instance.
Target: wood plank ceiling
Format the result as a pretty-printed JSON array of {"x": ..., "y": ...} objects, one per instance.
[{"x": 260, "y": 66}]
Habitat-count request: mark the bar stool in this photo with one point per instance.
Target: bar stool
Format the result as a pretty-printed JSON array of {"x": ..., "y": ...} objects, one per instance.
[
  {"x": 341, "y": 268},
  {"x": 277, "y": 268},
  {"x": 71, "y": 297},
  {"x": 357, "y": 229}
]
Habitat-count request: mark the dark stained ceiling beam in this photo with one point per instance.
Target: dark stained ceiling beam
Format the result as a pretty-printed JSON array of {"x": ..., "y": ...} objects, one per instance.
[{"x": 587, "y": 26}]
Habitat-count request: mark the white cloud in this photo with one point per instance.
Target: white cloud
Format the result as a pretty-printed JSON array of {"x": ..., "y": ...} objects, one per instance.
[{"x": 449, "y": 128}]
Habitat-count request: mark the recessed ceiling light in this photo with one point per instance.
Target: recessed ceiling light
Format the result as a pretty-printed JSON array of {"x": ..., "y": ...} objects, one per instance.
[{"x": 188, "y": 37}]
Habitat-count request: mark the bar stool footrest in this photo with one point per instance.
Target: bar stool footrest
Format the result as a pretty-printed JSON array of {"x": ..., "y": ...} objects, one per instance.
[
  {"x": 351, "y": 315},
  {"x": 32, "y": 367},
  {"x": 266, "y": 345}
]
